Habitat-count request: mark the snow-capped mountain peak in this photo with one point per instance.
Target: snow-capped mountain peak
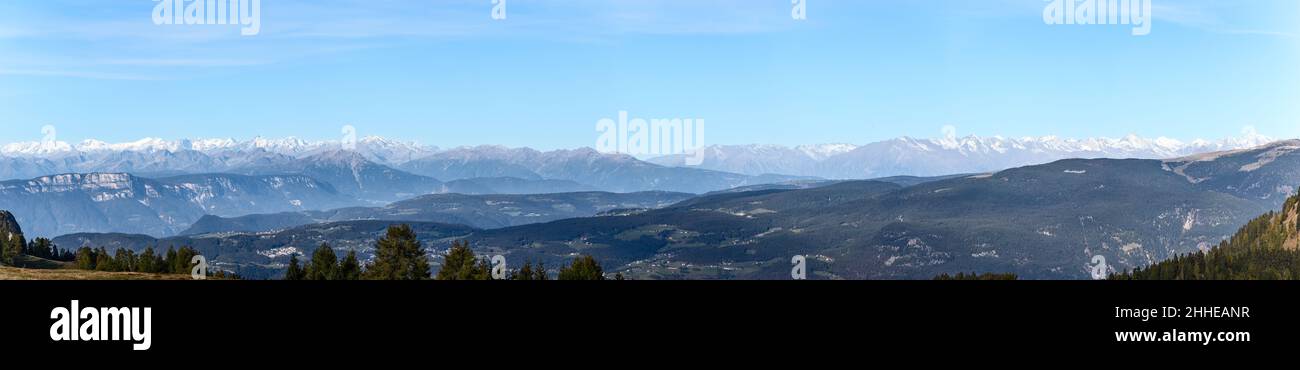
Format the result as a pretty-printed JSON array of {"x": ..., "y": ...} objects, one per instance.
[
  {"x": 379, "y": 149},
  {"x": 142, "y": 145},
  {"x": 901, "y": 156},
  {"x": 36, "y": 149},
  {"x": 823, "y": 151},
  {"x": 949, "y": 154}
]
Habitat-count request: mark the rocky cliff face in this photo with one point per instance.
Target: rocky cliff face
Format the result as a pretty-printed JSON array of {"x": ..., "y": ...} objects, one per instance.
[
  {"x": 9, "y": 228},
  {"x": 1291, "y": 222},
  {"x": 11, "y": 236}
]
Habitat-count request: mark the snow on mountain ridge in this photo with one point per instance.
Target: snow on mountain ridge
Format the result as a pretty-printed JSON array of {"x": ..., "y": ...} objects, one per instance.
[
  {"x": 292, "y": 146},
  {"x": 35, "y": 148},
  {"x": 969, "y": 144},
  {"x": 821, "y": 151},
  {"x": 1160, "y": 147},
  {"x": 946, "y": 155},
  {"x": 901, "y": 156}
]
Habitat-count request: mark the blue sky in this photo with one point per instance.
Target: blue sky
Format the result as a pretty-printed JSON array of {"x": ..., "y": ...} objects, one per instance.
[{"x": 442, "y": 72}]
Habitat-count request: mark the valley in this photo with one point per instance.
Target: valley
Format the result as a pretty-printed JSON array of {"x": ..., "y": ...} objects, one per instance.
[{"x": 1044, "y": 221}]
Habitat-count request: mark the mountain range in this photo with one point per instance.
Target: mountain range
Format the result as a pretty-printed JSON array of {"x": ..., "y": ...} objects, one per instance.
[
  {"x": 942, "y": 156},
  {"x": 479, "y": 211},
  {"x": 1009, "y": 213},
  {"x": 372, "y": 169},
  {"x": 118, "y": 202},
  {"x": 168, "y": 197},
  {"x": 1041, "y": 222},
  {"x": 603, "y": 171},
  {"x": 352, "y": 174}
]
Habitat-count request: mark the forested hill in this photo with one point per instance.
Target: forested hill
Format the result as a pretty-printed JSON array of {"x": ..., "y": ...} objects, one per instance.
[{"x": 1265, "y": 249}]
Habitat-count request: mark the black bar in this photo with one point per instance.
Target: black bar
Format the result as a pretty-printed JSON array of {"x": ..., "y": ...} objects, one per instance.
[{"x": 228, "y": 318}]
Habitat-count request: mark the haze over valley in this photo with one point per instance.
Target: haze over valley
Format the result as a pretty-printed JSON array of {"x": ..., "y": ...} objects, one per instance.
[{"x": 904, "y": 208}]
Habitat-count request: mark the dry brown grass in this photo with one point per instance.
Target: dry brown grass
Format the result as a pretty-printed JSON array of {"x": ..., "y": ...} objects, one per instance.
[{"x": 11, "y": 273}]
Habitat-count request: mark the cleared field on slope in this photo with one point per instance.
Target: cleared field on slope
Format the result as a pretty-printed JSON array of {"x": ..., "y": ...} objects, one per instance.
[{"x": 12, "y": 273}]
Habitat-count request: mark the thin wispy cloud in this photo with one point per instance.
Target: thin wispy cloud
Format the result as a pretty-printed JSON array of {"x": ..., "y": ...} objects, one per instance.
[
  {"x": 1206, "y": 15},
  {"x": 1218, "y": 17},
  {"x": 126, "y": 37},
  {"x": 75, "y": 74},
  {"x": 183, "y": 62}
]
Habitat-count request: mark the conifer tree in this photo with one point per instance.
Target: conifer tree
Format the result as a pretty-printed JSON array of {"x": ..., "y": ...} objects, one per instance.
[
  {"x": 294, "y": 272},
  {"x": 11, "y": 247},
  {"x": 523, "y": 273},
  {"x": 104, "y": 262},
  {"x": 124, "y": 260},
  {"x": 482, "y": 270},
  {"x": 169, "y": 261},
  {"x": 40, "y": 248},
  {"x": 145, "y": 263},
  {"x": 461, "y": 264},
  {"x": 350, "y": 268},
  {"x": 86, "y": 258},
  {"x": 398, "y": 256},
  {"x": 583, "y": 268},
  {"x": 324, "y": 264},
  {"x": 184, "y": 256}
]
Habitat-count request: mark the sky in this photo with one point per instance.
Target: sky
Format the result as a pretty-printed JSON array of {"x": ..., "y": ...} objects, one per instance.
[{"x": 445, "y": 73}]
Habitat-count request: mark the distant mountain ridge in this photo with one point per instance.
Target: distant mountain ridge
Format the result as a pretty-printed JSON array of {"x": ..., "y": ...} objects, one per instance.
[
  {"x": 264, "y": 256},
  {"x": 351, "y": 173},
  {"x": 605, "y": 172},
  {"x": 480, "y": 211},
  {"x": 902, "y": 156},
  {"x": 943, "y": 156},
  {"x": 1040, "y": 222},
  {"x": 373, "y": 168},
  {"x": 374, "y": 148},
  {"x": 116, "y": 202}
]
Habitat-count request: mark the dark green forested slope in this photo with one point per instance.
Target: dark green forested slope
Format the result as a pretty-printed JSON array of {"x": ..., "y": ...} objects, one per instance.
[{"x": 1265, "y": 249}]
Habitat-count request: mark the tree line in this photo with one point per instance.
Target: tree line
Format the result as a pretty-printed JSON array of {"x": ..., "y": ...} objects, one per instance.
[
  {"x": 174, "y": 261},
  {"x": 1264, "y": 249},
  {"x": 975, "y": 276},
  {"x": 399, "y": 255},
  {"x": 40, "y": 248}
]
